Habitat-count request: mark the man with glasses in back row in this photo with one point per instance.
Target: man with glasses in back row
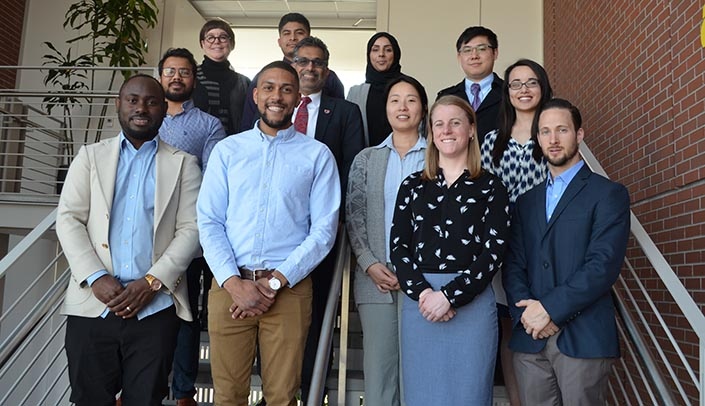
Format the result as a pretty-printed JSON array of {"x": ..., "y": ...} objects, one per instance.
[
  {"x": 293, "y": 27},
  {"x": 189, "y": 129},
  {"x": 478, "y": 50}
]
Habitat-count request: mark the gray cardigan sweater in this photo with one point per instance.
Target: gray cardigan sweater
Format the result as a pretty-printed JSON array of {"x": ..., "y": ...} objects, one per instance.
[
  {"x": 358, "y": 95},
  {"x": 364, "y": 214}
]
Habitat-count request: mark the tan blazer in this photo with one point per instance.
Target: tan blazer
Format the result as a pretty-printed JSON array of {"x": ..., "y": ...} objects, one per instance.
[{"x": 83, "y": 219}]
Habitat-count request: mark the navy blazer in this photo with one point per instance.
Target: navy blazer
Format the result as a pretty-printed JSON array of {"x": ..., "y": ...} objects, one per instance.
[
  {"x": 569, "y": 264},
  {"x": 488, "y": 112},
  {"x": 339, "y": 126}
]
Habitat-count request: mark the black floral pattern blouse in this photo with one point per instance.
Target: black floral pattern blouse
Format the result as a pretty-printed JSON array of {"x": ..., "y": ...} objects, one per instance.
[{"x": 459, "y": 229}]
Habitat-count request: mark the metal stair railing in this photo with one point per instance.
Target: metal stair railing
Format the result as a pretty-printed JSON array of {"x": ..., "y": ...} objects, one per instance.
[
  {"x": 33, "y": 366},
  {"x": 640, "y": 335},
  {"x": 341, "y": 278}
]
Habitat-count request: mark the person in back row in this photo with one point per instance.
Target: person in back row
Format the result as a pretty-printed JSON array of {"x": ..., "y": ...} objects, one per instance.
[
  {"x": 338, "y": 124},
  {"x": 383, "y": 56},
  {"x": 220, "y": 92},
  {"x": 293, "y": 27},
  {"x": 188, "y": 128},
  {"x": 478, "y": 50}
]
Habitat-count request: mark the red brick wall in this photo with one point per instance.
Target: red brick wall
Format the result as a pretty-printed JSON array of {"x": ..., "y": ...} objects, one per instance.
[
  {"x": 11, "y": 21},
  {"x": 637, "y": 72}
]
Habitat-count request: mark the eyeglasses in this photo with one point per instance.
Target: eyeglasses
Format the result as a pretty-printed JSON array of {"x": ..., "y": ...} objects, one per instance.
[
  {"x": 303, "y": 62},
  {"x": 183, "y": 72},
  {"x": 530, "y": 84},
  {"x": 480, "y": 49},
  {"x": 221, "y": 38}
]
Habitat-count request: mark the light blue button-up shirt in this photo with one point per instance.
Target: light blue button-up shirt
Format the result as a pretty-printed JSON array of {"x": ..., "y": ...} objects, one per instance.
[
  {"x": 193, "y": 131},
  {"x": 485, "y": 87},
  {"x": 268, "y": 202},
  {"x": 556, "y": 186},
  {"x": 131, "y": 231},
  {"x": 398, "y": 169}
]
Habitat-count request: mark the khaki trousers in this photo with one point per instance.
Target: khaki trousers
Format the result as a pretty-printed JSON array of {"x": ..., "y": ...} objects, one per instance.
[{"x": 281, "y": 335}]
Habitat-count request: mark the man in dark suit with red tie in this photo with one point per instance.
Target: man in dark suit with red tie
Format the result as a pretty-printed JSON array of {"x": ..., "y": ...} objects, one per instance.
[
  {"x": 338, "y": 124},
  {"x": 478, "y": 50}
]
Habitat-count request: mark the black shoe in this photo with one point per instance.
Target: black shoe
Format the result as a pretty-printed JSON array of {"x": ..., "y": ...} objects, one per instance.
[{"x": 262, "y": 402}]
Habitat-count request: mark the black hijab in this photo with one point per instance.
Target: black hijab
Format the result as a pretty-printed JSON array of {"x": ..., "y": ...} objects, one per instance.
[{"x": 378, "y": 126}]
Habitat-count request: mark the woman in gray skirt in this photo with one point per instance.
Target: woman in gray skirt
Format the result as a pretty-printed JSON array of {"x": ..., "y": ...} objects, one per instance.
[
  {"x": 375, "y": 176},
  {"x": 448, "y": 237}
]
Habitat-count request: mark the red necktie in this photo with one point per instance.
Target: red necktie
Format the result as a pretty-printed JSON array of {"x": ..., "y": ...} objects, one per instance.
[{"x": 301, "y": 120}]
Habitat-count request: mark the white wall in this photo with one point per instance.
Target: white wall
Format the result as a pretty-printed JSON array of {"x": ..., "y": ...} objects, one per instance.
[{"x": 427, "y": 31}]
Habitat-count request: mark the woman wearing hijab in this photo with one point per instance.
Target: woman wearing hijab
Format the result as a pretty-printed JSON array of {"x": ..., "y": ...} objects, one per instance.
[{"x": 383, "y": 56}]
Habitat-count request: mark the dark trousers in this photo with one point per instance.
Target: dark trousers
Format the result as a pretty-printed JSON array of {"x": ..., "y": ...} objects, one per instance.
[
  {"x": 322, "y": 278},
  {"x": 110, "y": 354},
  {"x": 183, "y": 382}
]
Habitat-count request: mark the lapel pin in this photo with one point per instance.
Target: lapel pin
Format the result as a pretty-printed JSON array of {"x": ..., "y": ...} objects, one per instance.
[{"x": 326, "y": 111}]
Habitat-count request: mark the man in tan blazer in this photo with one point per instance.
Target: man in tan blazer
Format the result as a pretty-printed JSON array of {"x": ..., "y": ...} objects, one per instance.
[{"x": 127, "y": 224}]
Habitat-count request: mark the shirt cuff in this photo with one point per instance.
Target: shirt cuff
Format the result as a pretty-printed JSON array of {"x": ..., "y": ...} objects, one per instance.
[{"x": 94, "y": 276}]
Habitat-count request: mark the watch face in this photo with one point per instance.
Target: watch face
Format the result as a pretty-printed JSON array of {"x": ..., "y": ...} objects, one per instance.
[
  {"x": 156, "y": 285},
  {"x": 275, "y": 284}
]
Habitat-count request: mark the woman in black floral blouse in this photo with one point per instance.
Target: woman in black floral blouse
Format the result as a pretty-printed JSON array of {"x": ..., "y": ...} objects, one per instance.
[{"x": 448, "y": 239}]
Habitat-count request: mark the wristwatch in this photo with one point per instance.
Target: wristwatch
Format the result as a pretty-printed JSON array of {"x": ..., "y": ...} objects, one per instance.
[
  {"x": 154, "y": 283},
  {"x": 274, "y": 283}
]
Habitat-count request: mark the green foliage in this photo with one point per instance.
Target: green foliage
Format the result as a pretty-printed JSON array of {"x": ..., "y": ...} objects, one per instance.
[
  {"x": 65, "y": 78},
  {"x": 114, "y": 27}
]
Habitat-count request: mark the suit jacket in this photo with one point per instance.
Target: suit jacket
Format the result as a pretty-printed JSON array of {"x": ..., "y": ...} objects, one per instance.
[
  {"x": 570, "y": 263},
  {"x": 488, "y": 112},
  {"x": 339, "y": 126},
  {"x": 83, "y": 219}
]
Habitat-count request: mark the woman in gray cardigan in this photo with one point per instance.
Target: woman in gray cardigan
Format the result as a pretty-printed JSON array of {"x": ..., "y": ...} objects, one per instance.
[{"x": 374, "y": 180}]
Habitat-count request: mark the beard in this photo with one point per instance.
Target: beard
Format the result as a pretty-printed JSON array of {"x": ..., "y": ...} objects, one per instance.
[
  {"x": 277, "y": 124},
  {"x": 562, "y": 160},
  {"x": 178, "y": 96}
]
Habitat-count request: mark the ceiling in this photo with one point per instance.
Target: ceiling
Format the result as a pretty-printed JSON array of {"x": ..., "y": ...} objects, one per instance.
[{"x": 266, "y": 13}]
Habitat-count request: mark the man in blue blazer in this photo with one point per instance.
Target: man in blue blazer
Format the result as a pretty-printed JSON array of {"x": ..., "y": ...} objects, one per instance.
[{"x": 568, "y": 241}]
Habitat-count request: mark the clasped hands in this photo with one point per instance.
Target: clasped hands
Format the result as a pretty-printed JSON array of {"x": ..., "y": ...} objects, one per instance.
[
  {"x": 434, "y": 306},
  {"x": 536, "y": 321},
  {"x": 384, "y": 279},
  {"x": 125, "y": 301},
  {"x": 250, "y": 298}
]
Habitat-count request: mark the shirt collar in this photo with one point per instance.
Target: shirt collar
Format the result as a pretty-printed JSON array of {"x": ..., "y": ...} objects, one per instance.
[
  {"x": 387, "y": 143},
  {"x": 485, "y": 84},
  {"x": 282, "y": 135},
  {"x": 152, "y": 144},
  {"x": 315, "y": 99},
  {"x": 185, "y": 107},
  {"x": 566, "y": 176}
]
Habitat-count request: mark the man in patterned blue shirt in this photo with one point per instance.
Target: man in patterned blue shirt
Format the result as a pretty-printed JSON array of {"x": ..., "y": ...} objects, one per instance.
[
  {"x": 192, "y": 130},
  {"x": 267, "y": 215}
]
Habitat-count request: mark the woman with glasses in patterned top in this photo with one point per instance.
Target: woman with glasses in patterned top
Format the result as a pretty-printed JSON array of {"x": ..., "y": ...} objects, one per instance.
[{"x": 511, "y": 153}]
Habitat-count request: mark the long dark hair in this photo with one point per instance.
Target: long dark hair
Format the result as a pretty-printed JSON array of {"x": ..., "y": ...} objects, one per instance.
[{"x": 508, "y": 115}]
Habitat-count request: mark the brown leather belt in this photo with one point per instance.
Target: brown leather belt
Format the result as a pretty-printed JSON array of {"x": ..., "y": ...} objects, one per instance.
[{"x": 255, "y": 274}]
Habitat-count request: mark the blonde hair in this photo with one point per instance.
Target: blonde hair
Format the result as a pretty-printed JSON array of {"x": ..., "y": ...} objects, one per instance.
[{"x": 430, "y": 170}]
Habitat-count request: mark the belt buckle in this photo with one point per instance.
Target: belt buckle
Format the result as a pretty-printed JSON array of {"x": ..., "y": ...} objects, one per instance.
[{"x": 254, "y": 272}]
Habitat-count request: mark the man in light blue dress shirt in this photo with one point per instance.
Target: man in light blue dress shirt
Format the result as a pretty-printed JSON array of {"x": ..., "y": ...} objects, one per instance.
[
  {"x": 127, "y": 223},
  {"x": 192, "y": 130},
  {"x": 267, "y": 215}
]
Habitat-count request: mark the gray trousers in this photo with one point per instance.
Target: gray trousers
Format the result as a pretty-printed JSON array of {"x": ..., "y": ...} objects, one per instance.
[
  {"x": 549, "y": 378},
  {"x": 380, "y": 340}
]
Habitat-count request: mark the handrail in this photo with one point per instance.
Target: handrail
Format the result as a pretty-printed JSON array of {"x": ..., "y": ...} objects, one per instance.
[
  {"x": 320, "y": 369},
  {"x": 30, "y": 239},
  {"x": 680, "y": 295}
]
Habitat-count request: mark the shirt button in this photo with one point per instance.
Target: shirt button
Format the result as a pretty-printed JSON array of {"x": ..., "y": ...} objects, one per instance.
[
  {"x": 127, "y": 266},
  {"x": 545, "y": 265}
]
